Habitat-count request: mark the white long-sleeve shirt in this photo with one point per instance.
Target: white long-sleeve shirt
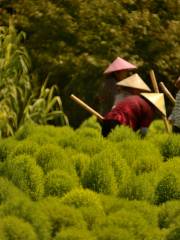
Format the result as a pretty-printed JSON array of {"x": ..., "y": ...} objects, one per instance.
[{"x": 175, "y": 116}]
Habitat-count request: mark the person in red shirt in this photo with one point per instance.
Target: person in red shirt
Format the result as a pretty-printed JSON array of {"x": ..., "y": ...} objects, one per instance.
[{"x": 136, "y": 111}]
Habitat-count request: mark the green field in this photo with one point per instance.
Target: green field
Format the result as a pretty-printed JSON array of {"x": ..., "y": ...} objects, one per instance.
[{"x": 64, "y": 184}]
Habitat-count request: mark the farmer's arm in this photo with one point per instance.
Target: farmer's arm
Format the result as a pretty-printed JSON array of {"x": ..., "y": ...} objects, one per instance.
[
  {"x": 145, "y": 123},
  {"x": 143, "y": 131}
]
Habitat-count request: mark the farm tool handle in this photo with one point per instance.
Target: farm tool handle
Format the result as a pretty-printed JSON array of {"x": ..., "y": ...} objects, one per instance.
[
  {"x": 167, "y": 92},
  {"x": 85, "y": 106},
  {"x": 156, "y": 89}
]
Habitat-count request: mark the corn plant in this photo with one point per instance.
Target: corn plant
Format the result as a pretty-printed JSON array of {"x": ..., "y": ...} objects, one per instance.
[
  {"x": 18, "y": 100},
  {"x": 45, "y": 107},
  {"x": 14, "y": 78}
]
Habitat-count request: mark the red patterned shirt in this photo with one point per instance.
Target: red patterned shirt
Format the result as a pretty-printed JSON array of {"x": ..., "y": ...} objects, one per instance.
[{"x": 134, "y": 111}]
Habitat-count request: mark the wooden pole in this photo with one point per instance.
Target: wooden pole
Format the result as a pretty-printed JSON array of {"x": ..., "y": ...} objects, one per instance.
[
  {"x": 154, "y": 82},
  {"x": 85, "y": 106},
  {"x": 156, "y": 89},
  {"x": 167, "y": 92}
]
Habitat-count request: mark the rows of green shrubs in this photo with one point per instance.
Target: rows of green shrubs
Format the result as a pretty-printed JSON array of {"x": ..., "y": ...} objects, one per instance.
[{"x": 64, "y": 184}]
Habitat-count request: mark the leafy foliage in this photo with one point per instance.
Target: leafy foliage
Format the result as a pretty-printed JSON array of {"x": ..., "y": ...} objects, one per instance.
[
  {"x": 171, "y": 147},
  {"x": 76, "y": 40},
  {"x": 27, "y": 210},
  {"x": 114, "y": 233},
  {"x": 24, "y": 173},
  {"x": 61, "y": 216},
  {"x": 17, "y": 101},
  {"x": 168, "y": 186},
  {"x": 74, "y": 234},
  {"x": 52, "y": 188},
  {"x": 100, "y": 176},
  {"x": 169, "y": 211},
  {"x": 139, "y": 155},
  {"x": 59, "y": 182},
  {"x": 51, "y": 157},
  {"x": 82, "y": 198},
  {"x": 17, "y": 229}
]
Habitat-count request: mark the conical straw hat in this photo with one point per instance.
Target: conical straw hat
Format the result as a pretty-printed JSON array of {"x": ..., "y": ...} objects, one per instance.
[
  {"x": 134, "y": 81},
  {"x": 119, "y": 64},
  {"x": 157, "y": 99}
]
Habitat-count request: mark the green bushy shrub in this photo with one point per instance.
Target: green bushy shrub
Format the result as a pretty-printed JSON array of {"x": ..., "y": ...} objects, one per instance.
[
  {"x": 91, "y": 216},
  {"x": 87, "y": 132},
  {"x": 156, "y": 127},
  {"x": 66, "y": 137},
  {"x": 156, "y": 234},
  {"x": 91, "y": 146},
  {"x": 142, "y": 187},
  {"x": 40, "y": 134},
  {"x": 82, "y": 198},
  {"x": 99, "y": 176},
  {"x": 74, "y": 234},
  {"x": 123, "y": 174},
  {"x": 58, "y": 182},
  {"x": 6, "y": 147},
  {"x": 167, "y": 189},
  {"x": 171, "y": 147},
  {"x": 24, "y": 147},
  {"x": 8, "y": 191},
  {"x": 53, "y": 131},
  {"x": 91, "y": 122},
  {"x": 168, "y": 212},
  {"x": 158, "y": 140},
  {"x": 30, "y": 212},
  {"x": 131, "y": 220},
  {"x": 114, "y": 233},
  {"x": 168, "y": 186},
  {"x": 61, "y": 216},
  {"x": 174, "y": 234},
  {"x": 122, "y": 133},
  {"x": 25, "y": 130},
  {"x": 111, "y": 203},
  {"x": 148, "y": 211},
  {"x": 41, "y": 138},
  {"x": 81, "y": 162},
  {"x": 50, "y": 157},
  {"x": 108, "y": 172},
  {"x": 86, "y": 141},
  {"x": 141, "y": 155},
  {"x": 26, "y": 174},
  {"x": 16, "y": 229}
]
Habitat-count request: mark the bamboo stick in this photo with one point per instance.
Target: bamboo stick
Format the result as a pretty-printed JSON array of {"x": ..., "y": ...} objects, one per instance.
[
  {"x": 85, "y": 106},
  {"x": 156, "y": 89},
  {"x": 154, "y": 82},
  {"x": 167, "y": 92}
]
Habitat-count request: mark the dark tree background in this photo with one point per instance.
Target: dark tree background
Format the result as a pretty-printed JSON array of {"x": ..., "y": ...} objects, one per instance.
[{"x": 75, "y": 40}]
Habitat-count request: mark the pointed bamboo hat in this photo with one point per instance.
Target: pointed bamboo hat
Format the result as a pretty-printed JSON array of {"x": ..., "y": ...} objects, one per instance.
[
  {"x": 119, "y": 64},
  {"x": 134, "y": 81},
  {"x": 157, "y": 99}
]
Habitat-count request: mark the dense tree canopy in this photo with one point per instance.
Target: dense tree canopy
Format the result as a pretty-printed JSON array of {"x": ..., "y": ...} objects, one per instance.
[{"x": 75, "y": 40}]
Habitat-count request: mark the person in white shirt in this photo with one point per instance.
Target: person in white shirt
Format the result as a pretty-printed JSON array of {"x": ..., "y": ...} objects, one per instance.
[{"x": 174, "y": 118}]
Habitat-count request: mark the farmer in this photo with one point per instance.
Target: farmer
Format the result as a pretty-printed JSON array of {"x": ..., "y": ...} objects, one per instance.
[
  {"x": 116, "y": 71},
  {"x": 136, "y": 111},
  {"x": 174, "y": 118},
  {"x": 132, "y": 85}
]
